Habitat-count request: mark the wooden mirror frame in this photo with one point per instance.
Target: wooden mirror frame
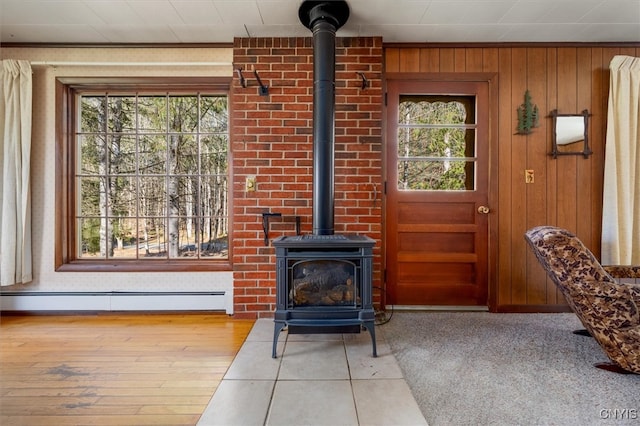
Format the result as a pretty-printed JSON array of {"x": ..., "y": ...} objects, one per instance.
[{"x": 572, "y": 143}]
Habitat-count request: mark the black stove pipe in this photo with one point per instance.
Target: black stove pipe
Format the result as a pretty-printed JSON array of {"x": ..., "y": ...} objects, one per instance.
[{"x": 323, "y": 18}]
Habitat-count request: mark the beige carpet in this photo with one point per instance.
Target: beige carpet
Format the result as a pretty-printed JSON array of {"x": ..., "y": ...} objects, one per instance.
[{"x": 479, "y": 368}]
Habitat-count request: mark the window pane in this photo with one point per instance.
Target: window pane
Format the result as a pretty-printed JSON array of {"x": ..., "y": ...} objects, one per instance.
[
  {"x": 215, "y": 247},
  {"x": 124, "y": 230},
  {"x": 213, "y": 155},
  {"x": 92, "y": 114},
  {"x": 122, "y": 114},
  {"x": 152, "y": 114},
  {"x": 152, "y": 156},
  {"x": 122, "y": 154},
  {"x": 186, "y": 155},
  {"x": 92, "y": 154},
  {"x": 213, "y": 114},
  {"x": 151, "y": 234},
  {"x": 89, "y": 196},
  {"x": 449, "y": 175},
  {"x": 213, "y": 200},
  {"x": 89, "y": 238},
  {"x": 186, "y": 237},
  {"x": 122, "y": 196},
  {"x": 187, "y": 195},
  {"x": 436, "y": 110},
  {"x": 438, "y": 142},
  {"x": 153, "y": 196},
  {"x": 183, "y": 114}
]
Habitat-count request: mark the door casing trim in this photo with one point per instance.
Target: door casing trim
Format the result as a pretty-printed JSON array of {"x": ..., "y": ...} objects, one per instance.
[{"x": 493, "y": 196}]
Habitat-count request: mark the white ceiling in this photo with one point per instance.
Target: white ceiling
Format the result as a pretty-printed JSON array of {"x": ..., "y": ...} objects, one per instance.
[{"x": 219, "y": 21}]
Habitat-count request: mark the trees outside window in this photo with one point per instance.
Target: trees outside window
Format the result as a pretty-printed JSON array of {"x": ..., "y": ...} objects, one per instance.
[
  {"x": 436, "y": 143},
  {"x": 150, "y": 177}
]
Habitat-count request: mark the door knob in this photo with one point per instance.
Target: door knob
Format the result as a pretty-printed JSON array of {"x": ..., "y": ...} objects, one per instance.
[{"x": 483, "y": 210}]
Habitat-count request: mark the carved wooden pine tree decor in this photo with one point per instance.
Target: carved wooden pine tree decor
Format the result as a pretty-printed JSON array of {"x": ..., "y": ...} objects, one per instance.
[{"x": 528, "y": 116}]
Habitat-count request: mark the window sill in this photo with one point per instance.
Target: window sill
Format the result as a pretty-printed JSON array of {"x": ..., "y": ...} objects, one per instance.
[{"x": 146, "y": 266}]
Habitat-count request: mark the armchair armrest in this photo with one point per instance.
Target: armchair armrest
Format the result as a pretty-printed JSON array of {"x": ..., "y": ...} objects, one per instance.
[
  {"x": 627, "y": 272},
  {"x": 635, "y": 293},
  {"x": 601, "y": 289},
  {"x": 611, "y": 302},
  {"x": 623, "y": 271}
]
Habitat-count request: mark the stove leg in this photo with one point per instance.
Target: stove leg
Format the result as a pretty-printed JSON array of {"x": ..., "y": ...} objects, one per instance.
[
  {"x": 370, "y": 325},
  {"x": 277, "y": 328}
]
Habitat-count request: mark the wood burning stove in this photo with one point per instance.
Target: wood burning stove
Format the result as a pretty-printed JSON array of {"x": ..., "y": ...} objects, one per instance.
[
  {"x": 324, "y": 285},
  {"x": 324, "y": 280}
]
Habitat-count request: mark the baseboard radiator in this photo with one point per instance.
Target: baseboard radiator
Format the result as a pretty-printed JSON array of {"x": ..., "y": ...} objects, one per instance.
[{"x": 116, "y": 301}]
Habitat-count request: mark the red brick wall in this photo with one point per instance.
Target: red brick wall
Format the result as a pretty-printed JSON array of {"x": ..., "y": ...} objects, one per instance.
[{"x": 272, "y": 140}]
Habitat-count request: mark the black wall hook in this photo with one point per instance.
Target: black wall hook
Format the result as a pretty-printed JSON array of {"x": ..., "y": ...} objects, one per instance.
[
  {"x": 365, "y": 82},
  {"x": 265, "y": 224},
  {"x": 263, "y": 90},
  {"x": 243, "y": 82}
]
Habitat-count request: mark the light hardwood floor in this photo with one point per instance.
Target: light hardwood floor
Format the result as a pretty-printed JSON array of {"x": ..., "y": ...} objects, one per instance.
[{"x": 113, "y": 369}]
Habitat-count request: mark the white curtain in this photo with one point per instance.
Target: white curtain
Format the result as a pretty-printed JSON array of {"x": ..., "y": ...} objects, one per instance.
[
  {"x": 621, "y": 197},
  {"x": 15, "y": 158}
]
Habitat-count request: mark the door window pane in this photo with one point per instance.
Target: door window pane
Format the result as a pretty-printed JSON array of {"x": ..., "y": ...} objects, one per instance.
[
  {"x": 434, "y": 175},
  {"x": 436, "y": 143}
]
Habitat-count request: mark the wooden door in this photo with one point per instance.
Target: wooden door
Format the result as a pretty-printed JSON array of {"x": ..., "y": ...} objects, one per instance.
[{"x": 437, "y": 181}]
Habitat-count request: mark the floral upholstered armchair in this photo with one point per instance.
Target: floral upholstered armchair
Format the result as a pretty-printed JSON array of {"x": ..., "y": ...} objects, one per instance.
[{"x": 608, "y": 310}]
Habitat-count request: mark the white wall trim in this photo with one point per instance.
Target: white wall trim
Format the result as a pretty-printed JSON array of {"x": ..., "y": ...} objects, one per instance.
[{"x": 117, "y": 301}]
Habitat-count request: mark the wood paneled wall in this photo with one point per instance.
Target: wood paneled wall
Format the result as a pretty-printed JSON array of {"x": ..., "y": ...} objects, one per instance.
[{"x": 567, "y": 191}]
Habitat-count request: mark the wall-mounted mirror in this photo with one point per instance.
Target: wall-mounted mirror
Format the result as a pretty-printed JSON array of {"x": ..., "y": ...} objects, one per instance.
[{"x": 570, "y": 134}]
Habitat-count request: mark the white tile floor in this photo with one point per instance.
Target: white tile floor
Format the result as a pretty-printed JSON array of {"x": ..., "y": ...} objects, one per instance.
[{"x": 320, "y": 379}]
